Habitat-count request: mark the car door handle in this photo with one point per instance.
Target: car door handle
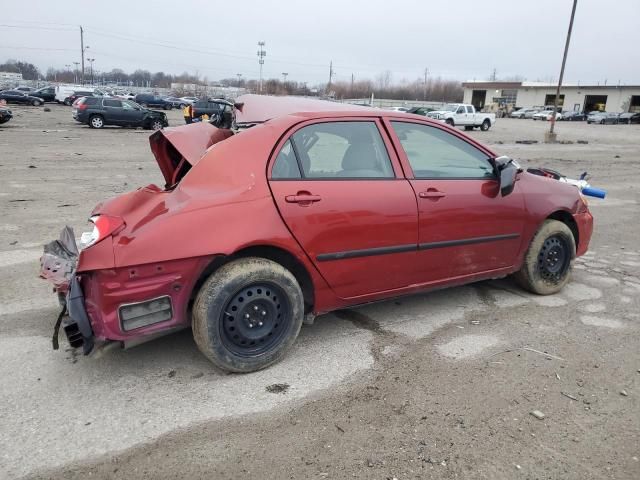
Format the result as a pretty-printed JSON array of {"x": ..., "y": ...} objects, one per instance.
[
  {"x": 302, "y": 199},
  {"x": 431, "y": 193}
]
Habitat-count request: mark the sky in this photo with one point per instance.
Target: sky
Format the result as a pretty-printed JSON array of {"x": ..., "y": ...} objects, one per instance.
[{"x": 454, "y": 39}]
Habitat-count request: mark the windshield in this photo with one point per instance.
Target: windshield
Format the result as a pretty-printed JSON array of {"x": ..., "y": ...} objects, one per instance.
[{"x": 449, "y": 108}]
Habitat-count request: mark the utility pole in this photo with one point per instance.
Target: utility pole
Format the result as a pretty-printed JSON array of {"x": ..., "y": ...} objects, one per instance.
[
  {"x": 284, "y": 77},
  {"x": 261, "y": 54},
  {"x": 75, "y": 72},
  {"x": 551, "y": 137},
  {"x": 352, "y": 81},
  {"x": 91, "y": 60},
  {"x": 493, "y": 75},
  {"x": 239, "y": 75},
  {"x": 331, "y": 74},
  {"x": 426, "y": 74},
  {"x": 82, "y": 51}
]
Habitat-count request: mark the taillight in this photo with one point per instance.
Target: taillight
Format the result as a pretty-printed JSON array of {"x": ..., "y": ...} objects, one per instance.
[
  {"x": 82, "y": 106},
  {"x": 103, "y": 226}
]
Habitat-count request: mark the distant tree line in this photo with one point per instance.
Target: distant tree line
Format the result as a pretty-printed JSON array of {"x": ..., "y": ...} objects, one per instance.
[{"x": 382, "y": 86}]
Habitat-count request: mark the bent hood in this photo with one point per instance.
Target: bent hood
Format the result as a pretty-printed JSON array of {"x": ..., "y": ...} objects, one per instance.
[{"x": 188, "y": 143}]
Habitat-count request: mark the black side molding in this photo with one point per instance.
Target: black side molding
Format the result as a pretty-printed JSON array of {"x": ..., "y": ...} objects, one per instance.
[{"x": 369, "y": 252}]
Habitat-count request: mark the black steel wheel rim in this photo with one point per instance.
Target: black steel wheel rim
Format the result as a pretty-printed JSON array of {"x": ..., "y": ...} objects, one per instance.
[
  {"x": 255, "y": 319},
  {"x": 554, "y": 258}
]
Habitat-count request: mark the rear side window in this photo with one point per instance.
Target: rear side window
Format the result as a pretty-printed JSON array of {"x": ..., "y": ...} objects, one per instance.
[
  {"x": 435, "y": 153},
  {"x": 90, "y": 100},
  {"x": 113, "y": 103},
  {"x": 342, "y": 150},
  {"x": 286, "y": 165}
]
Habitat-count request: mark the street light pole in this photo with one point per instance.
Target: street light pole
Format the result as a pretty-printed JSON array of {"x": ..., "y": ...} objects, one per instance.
[
  {"x": 551, "y": 137},
  {"x": 91, "y": 60},
  {"x": 261, "y": 55}
]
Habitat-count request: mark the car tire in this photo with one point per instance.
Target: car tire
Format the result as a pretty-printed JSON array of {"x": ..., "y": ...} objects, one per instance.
[
  {"x": 485, "y": 125},
  {"x": 156, "y": 124},
  {"x": 181, "y": 106},
  {"x": 36, "y": 103},
  {"x": 450, "y": 122},
  {"x": 67, "y": 102},
  {"x": 168, "y": 107},
  {"x": 549, "y": 259},
  {"x": 96, "y": 121},
  {"x": 248, "y": 314}
]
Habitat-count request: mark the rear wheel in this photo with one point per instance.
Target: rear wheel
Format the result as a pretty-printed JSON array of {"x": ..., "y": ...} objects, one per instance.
[
  {"x": 547, "y": 263},
  {"x": 485, "y": 125},
  {"x": 168, "y": 106},
  {"x": 96, "y": 121},
  {"x": 248, "y": 314},
  {"x": 36, "y": 103}
]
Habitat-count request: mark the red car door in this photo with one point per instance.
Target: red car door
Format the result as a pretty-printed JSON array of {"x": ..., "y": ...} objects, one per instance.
[
  {"x": 340, "y": 190},
  {"x": 465, "y": 225}
]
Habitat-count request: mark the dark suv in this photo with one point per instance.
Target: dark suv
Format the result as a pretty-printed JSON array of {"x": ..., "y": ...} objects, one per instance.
[
  {"x": 149, "y": 100},
  {"x": 212, "y": 107},
  {"x": 100, "y": 111}
]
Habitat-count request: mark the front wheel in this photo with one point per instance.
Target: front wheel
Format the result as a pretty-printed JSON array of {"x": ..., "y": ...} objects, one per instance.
[
  {"x": 67, "y": 102},
  {"x": 36, "y": 103},
  {"x": 449, "y": 121},
  {"x": 485, "y": 125},
  {"x": 548, "y": 261},
  {"x": 248, "y": 314},
  {"x": 156, "y": 125}
]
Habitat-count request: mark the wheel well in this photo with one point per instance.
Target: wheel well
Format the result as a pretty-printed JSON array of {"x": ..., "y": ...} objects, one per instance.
[
  {"x": 278, "y": 255},
  {"x": 567, "y": 219}
]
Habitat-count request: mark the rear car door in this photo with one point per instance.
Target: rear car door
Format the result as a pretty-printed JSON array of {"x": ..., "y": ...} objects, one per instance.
[
  {"x": 113, "y": 112},
  {"x": 466, "y": 226},
  {"x": 340, "y": 190}
]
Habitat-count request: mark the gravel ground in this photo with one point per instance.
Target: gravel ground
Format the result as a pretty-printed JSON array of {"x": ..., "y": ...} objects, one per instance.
[{"x": 439, "y": 385}]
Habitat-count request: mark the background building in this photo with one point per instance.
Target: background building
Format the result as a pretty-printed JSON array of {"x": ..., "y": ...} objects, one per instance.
[{"x": 610, "y": 98}]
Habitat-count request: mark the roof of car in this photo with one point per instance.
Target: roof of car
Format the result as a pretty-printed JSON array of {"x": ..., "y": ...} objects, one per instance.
[{"x": 260, "y": 108}]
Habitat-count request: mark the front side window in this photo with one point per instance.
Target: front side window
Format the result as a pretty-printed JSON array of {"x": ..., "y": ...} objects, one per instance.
[
  {"x": 342, "y": 150},
  {"x": 127, "y": 105},
  {"x": 435, "y": 153},
  {"x": 460, "y": 110}
]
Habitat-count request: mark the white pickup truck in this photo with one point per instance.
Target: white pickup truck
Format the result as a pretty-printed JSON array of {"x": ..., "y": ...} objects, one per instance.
[{"x": 464, "y": 115}]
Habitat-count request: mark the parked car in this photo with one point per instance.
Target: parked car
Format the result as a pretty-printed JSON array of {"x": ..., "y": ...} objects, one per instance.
[
  {"x": 150, "y": 100},
  {"x": 100, "y": 111},
  {"x": 419, "y": 110},
  {"x": 189, "y": 99},
  {"x": 75, "y": 96},
  {"x": 212, "y": 107},
  {"x": 16, "y": 96},
  {"x": 464, "y": 115},
  {"x": 522, "y": 113},
  {"x": 573, "y": 116},
  {"x": 48, "y": 94},
  {"x": 125, "y": 95},
  {"x": 176, "y": 102},
  {"x": 278, "y": 223},
  {"x": 546, "y": 115},
  {"x": 602, "y": 118},
  {"x": 398, "y": 109},
  {"x": 5, "y": 115},
  {"x": 629, "y": 117},
  {"x": 63, "y": 92},
  {"x": 24, "y": 89}
]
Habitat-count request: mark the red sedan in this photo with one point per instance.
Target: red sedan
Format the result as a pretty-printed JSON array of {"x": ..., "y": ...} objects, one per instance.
[{"x": 317, "y": 206}]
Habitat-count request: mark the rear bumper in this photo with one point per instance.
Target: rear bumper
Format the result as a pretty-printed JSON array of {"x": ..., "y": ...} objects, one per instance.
[{"x": 584, "y": 221}]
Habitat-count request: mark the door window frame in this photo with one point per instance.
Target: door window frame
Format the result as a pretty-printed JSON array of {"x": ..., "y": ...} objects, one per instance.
[
  {"x": 406, "y": 164},
  {"x": 398, "y": 173}
]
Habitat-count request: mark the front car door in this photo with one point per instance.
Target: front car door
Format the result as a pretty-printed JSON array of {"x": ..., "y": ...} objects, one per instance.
[
  {"x": 132, "y": 113},
  {"x": 340, "y": 190},
  {"x": 466, "y": 226}
]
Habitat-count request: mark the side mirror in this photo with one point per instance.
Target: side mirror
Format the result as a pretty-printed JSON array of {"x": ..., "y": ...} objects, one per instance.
[{"x": 507, "y": 169}]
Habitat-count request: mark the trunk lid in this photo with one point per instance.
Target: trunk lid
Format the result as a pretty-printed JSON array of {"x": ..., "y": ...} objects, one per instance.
[{"x": 177, "y": 149}]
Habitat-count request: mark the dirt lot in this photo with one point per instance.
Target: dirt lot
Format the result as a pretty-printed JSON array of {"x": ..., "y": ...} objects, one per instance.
[{"x": 439, "y": 385}]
